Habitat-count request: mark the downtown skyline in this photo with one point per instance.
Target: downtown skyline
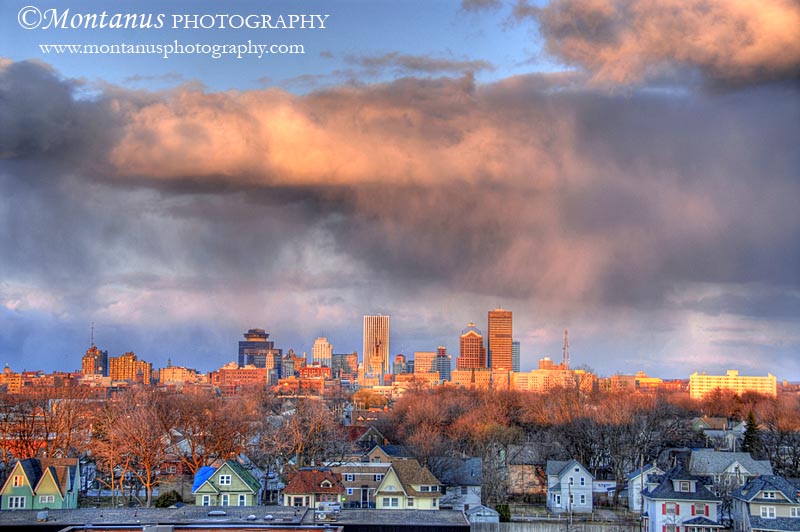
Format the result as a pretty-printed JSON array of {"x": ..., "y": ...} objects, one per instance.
[{"x": 625, "y": 171}]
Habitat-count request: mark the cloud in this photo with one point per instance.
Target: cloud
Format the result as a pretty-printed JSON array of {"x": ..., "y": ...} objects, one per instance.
[
  {"x": 414, "y": 64},
  {"x": 625, "y": 42},
  {"x": 479, "y": 5},
  {"x": 570, "y": 205}
]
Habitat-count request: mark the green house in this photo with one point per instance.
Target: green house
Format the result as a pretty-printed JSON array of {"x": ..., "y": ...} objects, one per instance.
[
  {"x": 39, "y": 484},
  {"x": 228, "y": 484}
]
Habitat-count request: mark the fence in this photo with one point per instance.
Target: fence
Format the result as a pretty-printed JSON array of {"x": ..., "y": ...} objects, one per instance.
[{"x": 553, "y": 526}]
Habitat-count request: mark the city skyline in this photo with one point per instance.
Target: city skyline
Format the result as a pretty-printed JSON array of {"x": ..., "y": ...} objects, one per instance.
[{"x": 620, "y": 170}]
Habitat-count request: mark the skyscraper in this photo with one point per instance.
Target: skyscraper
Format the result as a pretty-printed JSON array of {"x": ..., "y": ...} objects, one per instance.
[
  {"x": 376, "y": 345},
  {"x": 500, "y": 356},
  {"x": 443, "y": 364},
  {"x": 515, "y": 355},
  {"x": 258, "y": 350},
  {"x": 399, "y": 364},
  {"x": 322, "y": 352},
  {"x": 95, "y": 362},
  {"x": 471, "y": 352},
  {"x": 424, "y": 361}
]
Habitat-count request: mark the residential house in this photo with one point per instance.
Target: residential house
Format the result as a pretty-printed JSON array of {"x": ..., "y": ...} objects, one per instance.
[
  {"x": 42, "y": 483},
  {"x": 364, "y": 438},
  {"x": 720, "y": 433},
  {"x": 408, "y": 485},
  {"x": 678, "y": 501},
  {"x": 386, "y": 453},
  {"x": 462, "y": 479},
  {"x": 766, "y": 504},
  {"x": 310, "y": 486},
  {"x": 569, "y": 487},
  {"x": 225, "y": 483},
  {"x": 727, "y": 471},
  {"x": 637, "y": 480},
  {"x": 526, "y": 470},
  {"x": 482, "y": 514},
  {"x": 361, "y": 481}
]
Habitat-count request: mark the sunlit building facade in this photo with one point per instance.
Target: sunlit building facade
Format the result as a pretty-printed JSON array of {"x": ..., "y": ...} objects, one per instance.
[
  {"x": 701, "y": 384},
  {"x": 376, "y": 345},
  {"x": 471, "y": 352},
  {"x": 500, "y": 338}
]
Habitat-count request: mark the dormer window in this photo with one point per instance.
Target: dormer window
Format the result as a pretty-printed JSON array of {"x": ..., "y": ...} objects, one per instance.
[
  {"x": 685, "y": 486},
  {"x": 769, "y": 494},
  {"x": 325, "y": 483}
]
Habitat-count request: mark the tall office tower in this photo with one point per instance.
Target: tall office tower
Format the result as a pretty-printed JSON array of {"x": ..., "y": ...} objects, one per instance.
[
  {"x": 515, "y": 355},
  {"x": 376, "y": 345},
  {"x": 344, "y": 363},
  {"x": 471, "y": 352},
  {"x": 255, "y": 348},
  {"x": 399, "y": 364},
  {"x": 128, "y": 367},
  {"x": 500, "y": 339},
  {"x": 95, "y": 362},
  {"x": 424, "y": 361},
  {"x": 322, "y": 352},
  {"x": 443, "y": 364}
]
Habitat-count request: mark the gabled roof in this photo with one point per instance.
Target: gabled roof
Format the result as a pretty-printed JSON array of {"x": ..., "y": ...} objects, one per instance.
[
  {"x": 394, "y": 451},
  {"x": 779, "y": 524},
  {"x": 243, "y": 474},
  {"x": 62, "y": 470},
  {"x": 708, "y": 462},
  {"x": 202, "y": 475},
  {"x": 527, "y": 454},
  {"x": 756, "y": 485},
  {"x": 310, "y": 480},
  {"x": 559, "y": 467},
  {"x": 666, "y": 490},
  {"x": 647, "y": 469},
  {"x": 701, "y": 521},
  {"x": 460, "y": 471},
  {"x": 410, "y": 473}
]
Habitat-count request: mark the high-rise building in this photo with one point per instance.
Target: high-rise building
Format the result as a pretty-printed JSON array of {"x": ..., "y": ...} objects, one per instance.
[
  {"x": 129, "y": 368},
  {"x": 500, "y": 339},
  {"x": 424, "y": 361},
  {"x": 399, "y": 364},
  {"x": 701, "y": 384},
  {"x": 258, "y": 350},
  {"x": 344, "y": 363},
  {"x": 515, "y": 355},
  {"x": 471, "y": 352},
  {"x": 95, "y": 362},
  {"x": 443, "y": 363},
  {"x": 376, "y": 345},
  {"x": 322, "y": 352}
]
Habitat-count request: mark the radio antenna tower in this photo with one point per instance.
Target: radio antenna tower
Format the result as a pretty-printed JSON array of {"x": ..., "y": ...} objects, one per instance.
[
  {"x": 566, "y": 349},
  {"x": 92, "y": 337}
]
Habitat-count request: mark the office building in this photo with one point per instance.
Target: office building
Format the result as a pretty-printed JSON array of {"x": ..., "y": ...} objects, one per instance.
[
  {"x": 472, "y": 354},
  {"x": 95, "y": 362},
  {"x": 322, "y": 352},
  {"x": 443, "y": 364},
  {"x": 515, "y": 355},
  {"x": 424, "y": 361},
  {"x": 344, "y": 364},
  {"x": 500, "y": 330},
  {"x": 258, "y": 350},
  {"x": 129, "y": 368},
  {"x": 701, "y": 384},
  {"x": 376, "y": 345},
  {"x": 399, "y": 364}
]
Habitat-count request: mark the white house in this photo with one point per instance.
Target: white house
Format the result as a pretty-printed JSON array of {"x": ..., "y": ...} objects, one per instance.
[
  {"x": 637, "y": 480},
  {"x": 679, "y": 502},
  {"x": 569, "y": 487}
]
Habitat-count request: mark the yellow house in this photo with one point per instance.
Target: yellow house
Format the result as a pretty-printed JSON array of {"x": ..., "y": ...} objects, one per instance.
[{"x": 408, "y": 485}]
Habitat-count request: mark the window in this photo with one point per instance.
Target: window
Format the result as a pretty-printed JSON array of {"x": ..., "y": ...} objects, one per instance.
[
  {"x": 16, "y": 503},
  {"x": 378, "y": 478},
  {"x": 349, "y": 477},
  {"x": 170, "y": 470},
  {"x": 242, "y": 500},
  {"x": 386, "y": 501},
  {"x": 769, "y": 494},
  {"x": 577, "y": 470},
  {"x": 670, "y": 508},
  {"x": 395, "y": 502},
  {"x": 794, "y": 511},
  {"x": 583, "y": 481},
  {"x": 18, "y": 481},
  {"x": 463, "y": 490},
  {"x": 349, "y": 491},
  {"x": 583, "y": 498},
  {"x": 434, "y": 488},
  {"x": 325, "y": 483},
  {"x": 684, "y": 485},
  {"x": 45, "y": 499},
  {"x": 423, "y": 488},
  {"x": 558, "y": 500},
  {"x": 571, "y": 498},
  {"x": 671, "y": 528},
  {"x": 410, "y": 501},
  {"x": 571, "y": 481},
  {"x": 435, "y": 502},
  {"x": 225, "y": 500},
  {"x": 206, "y": 500},
  {"x": 297, "y": 501},
  {"x": 224, "y": 480},
  {"x": 768, "y": 512}
]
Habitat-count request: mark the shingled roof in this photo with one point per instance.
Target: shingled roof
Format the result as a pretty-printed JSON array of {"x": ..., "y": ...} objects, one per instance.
[
  {"x": 708, "y": 462},
  {"x": 754, "y": 486},
  {"x": 315, "y": 480},
  {"x": 410, "y": 473},
  {"x": 666, "y": 490}
]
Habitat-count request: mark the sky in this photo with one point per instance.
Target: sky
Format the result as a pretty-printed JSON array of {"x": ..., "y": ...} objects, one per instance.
[{"x": 625, "y": 169}]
